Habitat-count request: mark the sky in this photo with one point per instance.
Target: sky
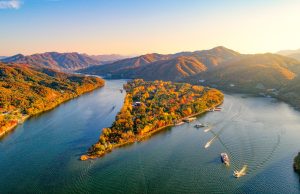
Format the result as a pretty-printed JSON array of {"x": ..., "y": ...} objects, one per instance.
[{"x": 131, "y": 27}]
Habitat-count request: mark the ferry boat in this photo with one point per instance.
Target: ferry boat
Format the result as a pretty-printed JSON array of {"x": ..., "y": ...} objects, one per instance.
[
  {"x": 225, "y": 159},
  {"x": 210, "y": 142}
]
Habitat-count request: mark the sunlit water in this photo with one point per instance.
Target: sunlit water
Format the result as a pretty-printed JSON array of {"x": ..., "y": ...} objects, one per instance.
[{"x": 41, "y": 156}]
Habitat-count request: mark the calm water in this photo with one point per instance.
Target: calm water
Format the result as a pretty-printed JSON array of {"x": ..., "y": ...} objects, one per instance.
[{"x": 41, "y": 156}]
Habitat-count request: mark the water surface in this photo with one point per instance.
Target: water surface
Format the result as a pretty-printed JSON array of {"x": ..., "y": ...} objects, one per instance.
[{"x": 41, "y": 156}]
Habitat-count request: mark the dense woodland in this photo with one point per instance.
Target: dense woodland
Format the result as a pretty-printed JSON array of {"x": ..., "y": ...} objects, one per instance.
[
  {"x": 25, "y": 91},
  {"x": 150, "y": 106}
]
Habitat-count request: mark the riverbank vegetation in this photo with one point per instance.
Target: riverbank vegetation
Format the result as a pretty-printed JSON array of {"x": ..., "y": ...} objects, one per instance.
[
  {"x": 150, "y": 106},
  {"x": 26, "y": 91}
]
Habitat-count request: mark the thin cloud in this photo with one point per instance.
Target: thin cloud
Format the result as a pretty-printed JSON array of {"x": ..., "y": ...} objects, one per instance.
[{"x": 10, "y": 4}]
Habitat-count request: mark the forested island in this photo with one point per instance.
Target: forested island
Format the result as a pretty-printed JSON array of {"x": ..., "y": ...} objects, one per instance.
[
  {"x": 27, "y": 91},
  {"x": 150, "y": 106},
  {"x": 297, "y": 163}
]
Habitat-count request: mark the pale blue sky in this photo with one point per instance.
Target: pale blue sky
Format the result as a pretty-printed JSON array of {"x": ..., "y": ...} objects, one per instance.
[{"x": 145, "y": 26}]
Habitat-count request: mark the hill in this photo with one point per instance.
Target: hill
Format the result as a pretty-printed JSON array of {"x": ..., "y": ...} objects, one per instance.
[
  {"x": 26, "y": 91},
  {"x": 54, "y": 60},
  {"x": 291, "y": 92},
  {"x": 252, "y": 73},
  {"x": 172, "y": 67},
  {"x": 119, "y": 67}
]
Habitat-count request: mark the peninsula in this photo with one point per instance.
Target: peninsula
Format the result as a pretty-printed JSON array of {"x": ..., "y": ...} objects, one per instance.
[{"x": 150, "y": 106}]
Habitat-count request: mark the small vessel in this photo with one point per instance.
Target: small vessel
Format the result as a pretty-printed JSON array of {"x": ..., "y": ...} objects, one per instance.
[
  {"x": 179, "y": 123},
  {"x": 209, "y": 142},
  {"x": 199, "y": 125},
  {"x": 121, "y": 90},
  {"x": 190, "y": 119},
  {"x": 225, "y": 159},
  {"x": 218, "y": 109},
  {"x": 240, "y": 173}
]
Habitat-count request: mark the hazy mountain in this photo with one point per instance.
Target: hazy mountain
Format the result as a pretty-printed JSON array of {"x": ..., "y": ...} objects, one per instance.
[
  {"x": 118, "y": 67},
  {"x": 2, "y": 57},
  {"x": 295, "y": 56},
  {"x": 291, "y": 53},
  {"x": 172, "y": 67},
  {"x": 54, "y": 60},
  {"x": 288, "y": 52},
  {"x": 108, "y": 58}
]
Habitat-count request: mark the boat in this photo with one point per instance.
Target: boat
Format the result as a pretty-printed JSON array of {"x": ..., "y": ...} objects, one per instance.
[
  {"x": 209, "y": 142},
  {"x": 240, "y": 173},
  {"x": 199, "y": 125},
  {"x": 225, "y": 159},
  {"x": 190, "y": 119},
  {"x": 218, "y": 109},
  {"x": 179, "y": 123}
]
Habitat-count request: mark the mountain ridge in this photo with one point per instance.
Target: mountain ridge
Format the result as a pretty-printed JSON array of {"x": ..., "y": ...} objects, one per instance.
[
  {"x": 133, "y": 67},
  {"x": 54, "y": 60}
]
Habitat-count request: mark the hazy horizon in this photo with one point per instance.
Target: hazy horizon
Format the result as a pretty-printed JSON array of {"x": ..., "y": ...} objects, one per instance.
[{"x": 139, "y": 27}]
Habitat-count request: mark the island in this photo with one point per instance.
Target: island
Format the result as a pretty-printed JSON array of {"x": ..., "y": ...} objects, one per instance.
[
  {"x": 27, "y": 91},
  {"x": 151, "y": 106},
  {"x": 297, "y": 163}
]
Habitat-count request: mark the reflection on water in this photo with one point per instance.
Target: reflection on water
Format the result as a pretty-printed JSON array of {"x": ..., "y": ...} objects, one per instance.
[{"x": 42, "y": 154}]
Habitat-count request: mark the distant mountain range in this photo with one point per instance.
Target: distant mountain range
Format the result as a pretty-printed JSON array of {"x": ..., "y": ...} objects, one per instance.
[
  {"x": 266, "y": 74},
  {"x": 54, "y": 60},
  {"x": 62, "y": 61},
  {"x": 174, "y": 67}
]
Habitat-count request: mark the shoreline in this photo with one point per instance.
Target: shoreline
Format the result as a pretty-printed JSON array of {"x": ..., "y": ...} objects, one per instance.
[
  {"x": 140, "y": 138},
  {"x": 25, "y": 117}
]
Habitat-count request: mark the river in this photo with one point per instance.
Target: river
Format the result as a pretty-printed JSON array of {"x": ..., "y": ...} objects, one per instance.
[{"x": 41, "y": 155}]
